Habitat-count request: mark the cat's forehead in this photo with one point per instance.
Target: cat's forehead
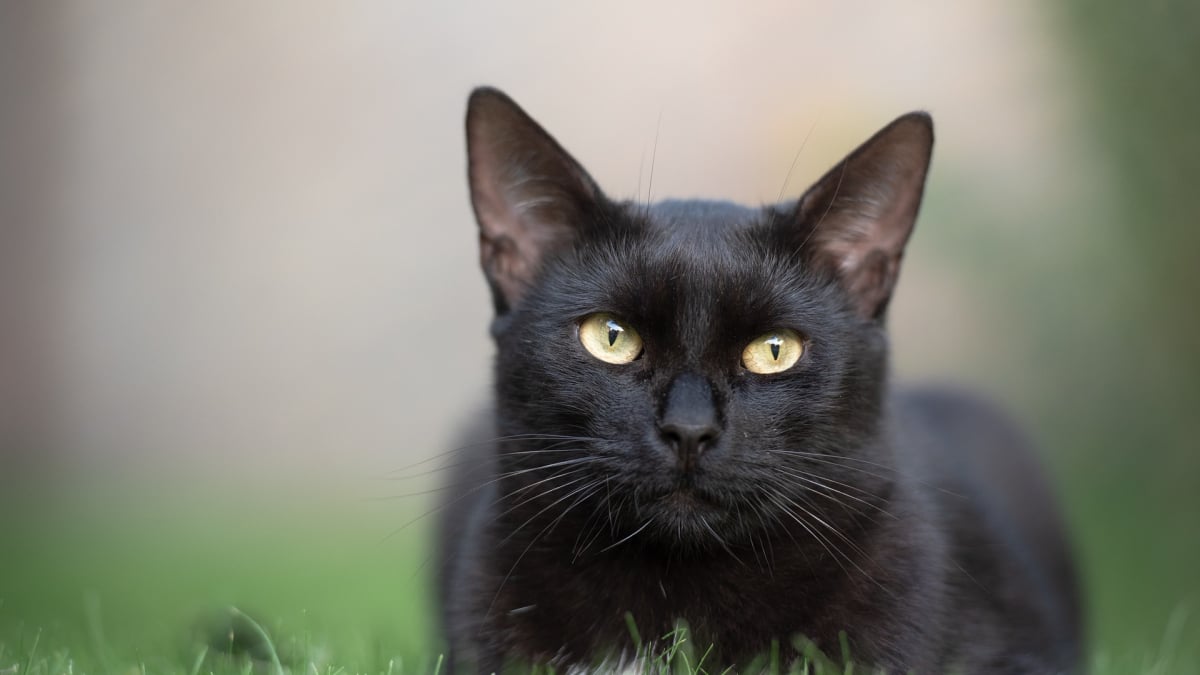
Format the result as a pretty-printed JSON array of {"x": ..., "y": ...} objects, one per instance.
[
  {"x": 690, "y": 267},
  {"x": 707, "y": 245},
  {"x": 693, "y": 222}
]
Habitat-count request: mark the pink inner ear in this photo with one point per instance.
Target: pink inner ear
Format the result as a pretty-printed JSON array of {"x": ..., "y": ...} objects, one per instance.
[
  {"x": 872, "y": 280},
  {"x": 878, "y": 219},
  {"x": 518, "y": 226},
  {"x": 500, "y": 228},
  {"x": 866, "y": 257}
]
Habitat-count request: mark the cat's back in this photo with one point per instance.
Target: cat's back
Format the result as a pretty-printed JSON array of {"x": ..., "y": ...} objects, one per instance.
[{"x": 1010, "y": 551}]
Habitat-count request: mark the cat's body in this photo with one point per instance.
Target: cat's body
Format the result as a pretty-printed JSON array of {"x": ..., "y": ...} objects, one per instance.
[{"x": 679, "y": 480}]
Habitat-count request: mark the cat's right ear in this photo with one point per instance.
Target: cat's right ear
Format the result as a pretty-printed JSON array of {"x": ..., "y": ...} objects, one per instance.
[{"x": 529, "y": 195}]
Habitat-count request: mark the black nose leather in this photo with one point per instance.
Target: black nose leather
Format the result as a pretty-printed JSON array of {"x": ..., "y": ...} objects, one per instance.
[{"x": 689, "y": 421}]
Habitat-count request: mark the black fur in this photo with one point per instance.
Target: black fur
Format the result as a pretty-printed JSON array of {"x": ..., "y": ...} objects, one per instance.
[{"x": 817, "y": 500}]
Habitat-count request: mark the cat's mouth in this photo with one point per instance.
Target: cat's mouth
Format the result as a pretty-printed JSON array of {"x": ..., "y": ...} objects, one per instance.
[
  {"x": 691, "y": 489},
  {"x": 692, "y": 505},
  {"x": 688, "y": 516},
  {"x": 686, "y": 499}
]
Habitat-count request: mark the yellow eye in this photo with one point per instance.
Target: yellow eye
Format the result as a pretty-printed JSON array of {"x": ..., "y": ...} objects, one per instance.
[
  {"x": 609, "y": 339},
  {"x": 773, "y": 352}
]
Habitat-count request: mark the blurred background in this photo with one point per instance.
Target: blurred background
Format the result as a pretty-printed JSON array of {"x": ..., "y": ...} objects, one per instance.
[{"x": 238, "y": 281}]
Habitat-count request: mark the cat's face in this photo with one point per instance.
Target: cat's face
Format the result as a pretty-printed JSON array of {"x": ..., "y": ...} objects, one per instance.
[{"x": 692, "y": 371}]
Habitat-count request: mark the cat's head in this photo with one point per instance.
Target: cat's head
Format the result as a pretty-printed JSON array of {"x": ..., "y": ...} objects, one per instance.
[{"x": 694, "y": 370}]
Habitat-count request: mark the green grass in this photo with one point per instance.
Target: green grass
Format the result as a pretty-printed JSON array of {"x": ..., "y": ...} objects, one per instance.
[
  {"x": 219, "y": 584},
  {"x": 120, "y": 585}
]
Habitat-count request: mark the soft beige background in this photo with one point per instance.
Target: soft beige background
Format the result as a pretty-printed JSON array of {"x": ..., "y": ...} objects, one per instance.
[{"x": 241, "y": 230}]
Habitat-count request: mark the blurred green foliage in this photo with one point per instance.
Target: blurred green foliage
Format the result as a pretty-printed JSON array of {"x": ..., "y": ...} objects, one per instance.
[
  {"x": 1140, "y": 61},
  {"x": 1127, "y": 406}
]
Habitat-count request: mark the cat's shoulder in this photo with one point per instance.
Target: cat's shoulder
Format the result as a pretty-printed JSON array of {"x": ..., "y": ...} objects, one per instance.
[
  {"x": 950, "y": 407},
  {"x": 951, "y": 431}
]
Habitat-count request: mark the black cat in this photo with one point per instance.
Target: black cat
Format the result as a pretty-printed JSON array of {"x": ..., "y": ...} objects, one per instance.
[{"x": 693, "y": 421}]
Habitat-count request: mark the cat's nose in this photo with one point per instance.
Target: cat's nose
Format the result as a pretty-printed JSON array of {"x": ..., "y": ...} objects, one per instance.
[
  {"x": 689, "y": 441},
  {"x": 689, "y": 421}
]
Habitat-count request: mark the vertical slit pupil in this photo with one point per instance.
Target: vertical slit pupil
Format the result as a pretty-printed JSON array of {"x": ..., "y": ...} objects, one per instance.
[
  {"x": 775, "y": 347},
  {"x": 614, "y": 332}
]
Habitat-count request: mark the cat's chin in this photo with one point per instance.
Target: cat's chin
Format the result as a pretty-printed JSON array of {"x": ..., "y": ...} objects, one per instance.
[
  {"x": 689, "y": 517},
  {"x": 688, "y": 501}
]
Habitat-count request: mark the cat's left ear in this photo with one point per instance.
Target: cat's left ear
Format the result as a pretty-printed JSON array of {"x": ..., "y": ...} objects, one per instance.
[
  {"x": 857, "y": 218},
  {"x": 530, "y": 196}
]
